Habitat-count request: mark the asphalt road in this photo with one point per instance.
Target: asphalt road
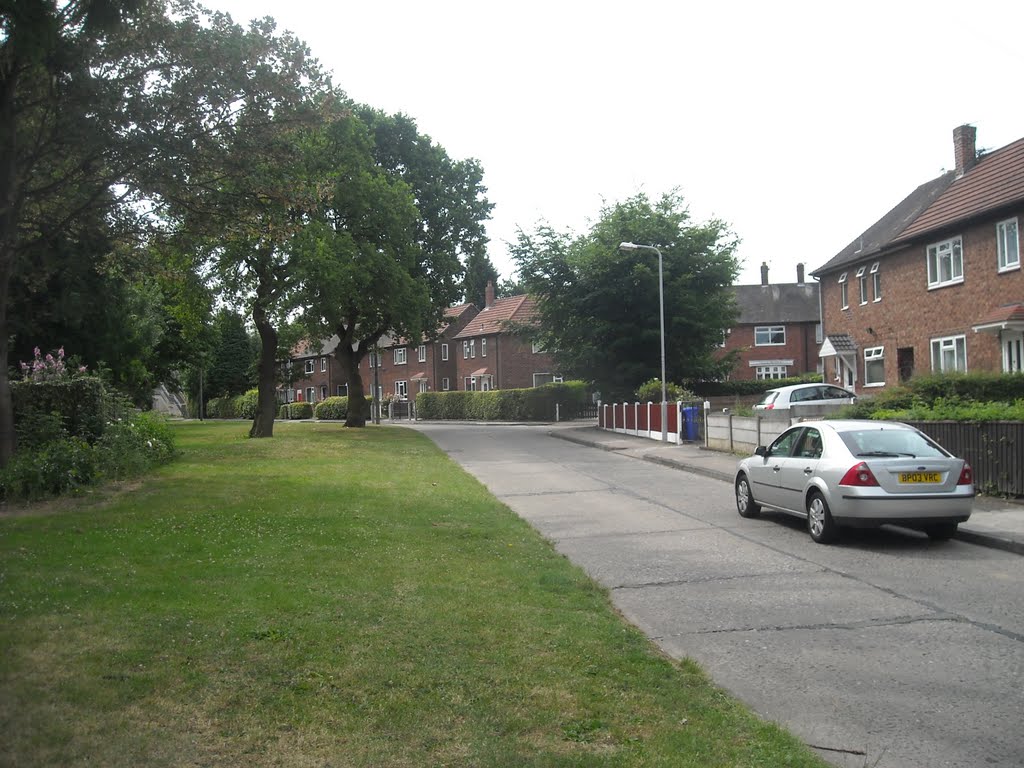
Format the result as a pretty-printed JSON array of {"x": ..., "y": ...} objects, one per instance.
[{"x": 885, "y": 650}]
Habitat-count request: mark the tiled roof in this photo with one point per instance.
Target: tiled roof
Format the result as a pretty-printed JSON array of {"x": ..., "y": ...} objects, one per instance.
[
  {"x": 456, "y": 311},
  {"x": 780, "y": 303},
  {"x": 305, "y": 348},
  {"x": 1008, "y": 313},
  {"x": 495, "y": 318},
  {"x": 840, "y": 343},
  {"x": 880, "y": 234},
  {"x": 995, "y": 181}
]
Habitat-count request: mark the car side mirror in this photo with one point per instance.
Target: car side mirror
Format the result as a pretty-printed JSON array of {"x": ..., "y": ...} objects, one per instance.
[{"x": 760, "y": 451}]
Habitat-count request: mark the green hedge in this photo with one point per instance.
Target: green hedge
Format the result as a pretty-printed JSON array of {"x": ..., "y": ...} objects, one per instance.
[
  {"x": 940, "y": 397},
  {"x": 296, "y": 411},
  {"x": 221, "y": 408},
  {"x": 332, "y": 408},
  {"x": 534, "y": 404},
  {"x": 245, "y": 405},
  {"x": 81, "y": 403},
  {"x": 747, "y": 386}
]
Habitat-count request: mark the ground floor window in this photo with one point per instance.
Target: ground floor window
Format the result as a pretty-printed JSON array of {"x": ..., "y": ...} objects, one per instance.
[
  {"x": 874, "y": 366},
  {"x": 949, "y": 354},
  {"x": 402, "y": 389},
  {"x": 446, "y": 384},
  {"x": 343, "y": 390},
  {"x": 310, "y": 394},
  {"x": 423, "y": 385},
  {"x": 771, "y": 371},
  {"x": 1013, "y": 351}
]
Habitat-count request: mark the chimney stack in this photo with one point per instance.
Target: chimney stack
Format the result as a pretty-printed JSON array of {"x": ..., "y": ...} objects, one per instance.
[
  {"x": 964, "y": 149},
  {"x": 489, "y": 295},
  {"x": 764, "y": 273},
  {"x": 799, "y": 274}
]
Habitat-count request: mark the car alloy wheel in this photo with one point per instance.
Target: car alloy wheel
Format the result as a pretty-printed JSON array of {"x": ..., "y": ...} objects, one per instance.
[
  {"x": 745, "y": 503},
  {"x": 820, "y": 524}
]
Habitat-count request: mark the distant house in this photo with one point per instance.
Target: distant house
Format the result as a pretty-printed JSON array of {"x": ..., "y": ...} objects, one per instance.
[
  {"x": 314, "y": 373},
  {"x": 489, "y": 355},
  {"x": 778, "y": 331},
  {"x": 936, "y": 284}
]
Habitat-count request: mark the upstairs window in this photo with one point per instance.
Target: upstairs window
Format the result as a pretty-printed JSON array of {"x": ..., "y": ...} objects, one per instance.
[
  {"x": 1008, "y": 245},
  {"x": 769, "y": 335},
  {"x": 844, "y": 296},
  {"x": 483, "y": 347},
  {"x": 876, "y": 278},
  {"x": 421, "y": 353},
  {"x": 444, "y": 351},
  {"x": 323, "y": 366},
  {"x": 309, "y": 366},
  {"x": 400, "y": 355},
  {"x": 862, "y": 279},
  {"x": 945, "y": 263}
]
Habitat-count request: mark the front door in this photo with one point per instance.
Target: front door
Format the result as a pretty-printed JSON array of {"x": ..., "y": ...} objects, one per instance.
[
  {"x": 905, "y": 362},
  {"x": 1013, "y": 351}
]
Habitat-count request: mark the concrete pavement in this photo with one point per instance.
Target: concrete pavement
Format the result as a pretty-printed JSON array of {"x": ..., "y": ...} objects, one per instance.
[{"x": 996, "y": 523}]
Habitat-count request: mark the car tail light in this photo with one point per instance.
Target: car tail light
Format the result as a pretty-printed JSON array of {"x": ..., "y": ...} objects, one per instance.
[
  {"x": 966, "y": 475},
  {"x": 859, "y": 474},
  {"x": 769, "y": 406}
]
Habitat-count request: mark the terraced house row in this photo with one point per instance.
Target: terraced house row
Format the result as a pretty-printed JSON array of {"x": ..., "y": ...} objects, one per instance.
[
  {"x": 475, "y": 350},
  {"x": 936, "y": 284}
]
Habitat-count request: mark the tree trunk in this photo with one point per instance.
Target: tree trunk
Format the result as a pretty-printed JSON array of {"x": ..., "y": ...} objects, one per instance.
[
  {"x": 266, "y": 406},
  {"x": 7, "y": 435},
  {"x": 9, "y": 206},
  {"x": 358, "y": 405}
]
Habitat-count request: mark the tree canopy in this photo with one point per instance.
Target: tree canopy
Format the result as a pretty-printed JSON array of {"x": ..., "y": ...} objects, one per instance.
[{"x": 598, "y": 305}]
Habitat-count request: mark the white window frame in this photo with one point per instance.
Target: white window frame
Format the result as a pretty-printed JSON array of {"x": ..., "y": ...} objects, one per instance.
[
  {"x": 402, "y": 389},
  {"x": 862, "y": 280},
  {"x": 421, "y": 353},
  {"x": 1008, "y": 252},
  {"x": 1012, "y": 343},
  {"x": 310, "y": 394},
  {"x": 876, "y": 279},
  {"x": 444, "y": 352},
  {"x": 422, "y": 385},
  {"x": 772, "y": 331},
  {"x": 872, "y": 357},
  {"x": 445, "y": 384},
  {"x": 323, "y": 365},
  {"x": 374, "y": 358},
  {"x": 310, "y": 366},
  {"x": 483, "y": 347},
  {"x": 764, "y": 372},
  {"x": 470, "y": 383},
  {"x": 537, "y": 348},
  {"x": 937, "y": 254},
  {"x": 843, "y": 291},
  {"x": 401, "y": 355},
  {"x": 940, "y": 346}
]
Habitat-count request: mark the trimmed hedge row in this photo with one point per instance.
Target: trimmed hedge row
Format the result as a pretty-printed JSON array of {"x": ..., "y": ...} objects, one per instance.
[
  {"x": 332, "y": 408},
  {"x": 954, "y": 397},
  {"x": 81, "y": 403},
  {"x": 747, "y": 386},
  {"x": 238, "y": 407},
  {"x": 534, "y": 404},
  {"x": 297, "y": 410}
]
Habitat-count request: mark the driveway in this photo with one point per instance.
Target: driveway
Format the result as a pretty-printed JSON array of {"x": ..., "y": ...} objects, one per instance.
[{"x": 886, "y": 650}]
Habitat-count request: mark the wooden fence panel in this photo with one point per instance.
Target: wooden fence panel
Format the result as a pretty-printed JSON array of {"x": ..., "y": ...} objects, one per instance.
[{"x": 995, "y": 451}]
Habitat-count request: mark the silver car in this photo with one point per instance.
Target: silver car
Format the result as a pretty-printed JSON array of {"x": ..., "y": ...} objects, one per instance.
[
  {"x": 797, "y": 395},
  {"x": 858, "y": 474}
]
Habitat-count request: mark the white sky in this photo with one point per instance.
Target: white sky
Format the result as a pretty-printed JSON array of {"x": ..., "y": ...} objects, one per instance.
[{"x": 798, "y": 123}]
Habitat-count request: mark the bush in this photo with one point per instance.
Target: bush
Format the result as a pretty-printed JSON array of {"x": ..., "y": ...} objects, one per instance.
[
  {"x": 81, "y": 403},
  {"x": 940, "y": 397},
  {"x": 245, "y": 405},
  {"x": 650, "y": 392},
  {"x": 221, "y": 408},
  {"x": 704, "y": 389},
  {"x": 335, "y": 408},
  {"x": 299, "y": 411},
  {"x": 533, "y": 404}
]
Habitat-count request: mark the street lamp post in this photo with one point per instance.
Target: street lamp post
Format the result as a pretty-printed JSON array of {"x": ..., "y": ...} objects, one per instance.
[{"x": 661, "y": 314}]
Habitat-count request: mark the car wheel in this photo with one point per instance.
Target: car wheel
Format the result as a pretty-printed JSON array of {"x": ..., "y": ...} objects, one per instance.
[
  {"x": 745, "y": 503},
  {"x": 941, "y": 531},
  {"x": 820, "y": 524}
]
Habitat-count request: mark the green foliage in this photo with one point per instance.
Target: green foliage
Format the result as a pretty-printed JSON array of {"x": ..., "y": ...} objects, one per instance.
[
  {"x": 297, "y": 411},
  {"x": 222, "y": 408},
  {"x": 50, "y": 469},
  {"x": 245, "y": 405},
  {"x": 1002, "y": 387},
  {"x": 953, "y": 408},
  {"x": 81, "y": 403},
  {"x": 941, "y": 397},
  {"x": 598, "y": 305},
  {"x": 534, "y": 404},
  {"x": 333, "y": 408},
  {"x": 650, "y": 392},
  {"x": 479, "y": 271}
]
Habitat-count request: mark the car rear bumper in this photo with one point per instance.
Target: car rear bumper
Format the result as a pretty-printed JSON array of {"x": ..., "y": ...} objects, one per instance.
[{"x": 915, "y": 510}]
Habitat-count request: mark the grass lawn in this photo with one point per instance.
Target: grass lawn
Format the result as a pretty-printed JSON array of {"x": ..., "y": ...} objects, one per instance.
[{"x": 330, "y": 597}]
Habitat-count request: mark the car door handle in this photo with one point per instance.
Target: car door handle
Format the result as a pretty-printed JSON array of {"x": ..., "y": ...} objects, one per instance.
[
  {"x": 808, "y": 471},
  {"x": 777, "y": 468}
]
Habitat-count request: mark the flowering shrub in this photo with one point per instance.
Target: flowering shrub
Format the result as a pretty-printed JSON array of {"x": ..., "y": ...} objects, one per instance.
[{"x": 49, "y": 368}]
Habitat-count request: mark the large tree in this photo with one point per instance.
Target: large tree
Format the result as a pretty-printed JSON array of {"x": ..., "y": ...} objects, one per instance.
[
  {"x": 598, "y": 305},
  {"x": 479, "y": 271},
  {"x": 384, "y": 253}
]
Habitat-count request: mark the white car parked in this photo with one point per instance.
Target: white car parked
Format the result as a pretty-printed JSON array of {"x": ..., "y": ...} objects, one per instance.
[{"x": 784, "y": 398}]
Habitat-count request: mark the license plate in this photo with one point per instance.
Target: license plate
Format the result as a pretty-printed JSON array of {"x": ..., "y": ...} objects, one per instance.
[{"x": 920, "y": 477}]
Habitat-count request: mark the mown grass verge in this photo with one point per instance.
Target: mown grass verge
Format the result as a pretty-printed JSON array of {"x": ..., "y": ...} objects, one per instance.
[{"x": 331, "y": 597}]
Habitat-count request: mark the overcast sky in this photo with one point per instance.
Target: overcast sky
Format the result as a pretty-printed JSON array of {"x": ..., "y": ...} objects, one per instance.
[{"x": 798, "y": 123}]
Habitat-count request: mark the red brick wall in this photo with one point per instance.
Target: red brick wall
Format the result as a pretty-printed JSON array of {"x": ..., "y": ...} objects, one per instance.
[
  {"x": 910, "y": 315},
  {"x": 801, "y": 347}
]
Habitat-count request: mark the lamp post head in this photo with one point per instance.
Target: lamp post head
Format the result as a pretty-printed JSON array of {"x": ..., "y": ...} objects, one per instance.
[{"x": 628, "y": 246}]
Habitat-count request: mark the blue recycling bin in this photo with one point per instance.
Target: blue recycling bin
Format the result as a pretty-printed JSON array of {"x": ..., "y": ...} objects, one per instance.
[{"x": 691, "y": 426}]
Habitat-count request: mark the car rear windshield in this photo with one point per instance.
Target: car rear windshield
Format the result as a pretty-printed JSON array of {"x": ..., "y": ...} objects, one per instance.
[
  {"x": 769, "y": 397},
  {"x": 891, "y": 442}
]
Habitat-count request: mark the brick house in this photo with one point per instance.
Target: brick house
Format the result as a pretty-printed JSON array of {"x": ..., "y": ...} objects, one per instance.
[
  {"x": 778, "y": 331},
  {"x": 949, "y": 259},
  {"x": 490, "y": 356},
  {"x": 314, "y": 373},
  {"x": 406, "y": 369}
]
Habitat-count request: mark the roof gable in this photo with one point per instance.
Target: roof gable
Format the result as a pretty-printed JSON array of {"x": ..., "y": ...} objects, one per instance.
[{"x": 497, "y": 317}]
